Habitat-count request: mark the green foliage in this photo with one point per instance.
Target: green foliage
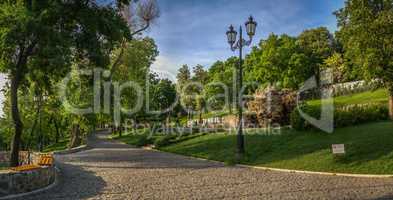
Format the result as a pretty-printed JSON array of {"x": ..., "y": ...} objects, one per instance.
[
  {"x": 366, "y": 32},
  {"x": 163, "y": 141},
  {"x": 144, "y": 140},
  {"x": 40, "y": 43},
  {"x": 183, "y": 76},
  {"x": 220, "y": 88},
  {"x": 349, "y": 116},
  {"x": 289, "y": 60},
  {"x": 62, "y": 145},
  {"x": 165, "y": 94}
]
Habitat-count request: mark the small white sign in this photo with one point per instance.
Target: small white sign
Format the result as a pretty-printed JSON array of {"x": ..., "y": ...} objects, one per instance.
[{"x": 338, "y": 148}]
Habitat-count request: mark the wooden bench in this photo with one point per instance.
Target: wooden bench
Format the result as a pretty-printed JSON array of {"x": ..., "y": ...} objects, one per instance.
[
  {"x": 46, "y": 160},
  {"x": 25, "y": 168}
]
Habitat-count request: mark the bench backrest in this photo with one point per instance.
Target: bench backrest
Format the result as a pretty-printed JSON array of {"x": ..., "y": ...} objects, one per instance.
[{"x": 46, "y": 160}]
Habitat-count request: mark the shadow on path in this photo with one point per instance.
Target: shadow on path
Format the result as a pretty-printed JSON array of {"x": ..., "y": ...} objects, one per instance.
[{"x": 74, "y": 183}]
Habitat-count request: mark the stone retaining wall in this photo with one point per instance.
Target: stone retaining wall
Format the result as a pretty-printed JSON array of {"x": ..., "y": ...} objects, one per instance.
[{"x": 12, "y": 183}]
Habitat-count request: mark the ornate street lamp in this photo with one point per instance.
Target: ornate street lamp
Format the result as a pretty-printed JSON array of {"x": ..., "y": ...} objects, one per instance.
[{"x": 232, "y": 36}]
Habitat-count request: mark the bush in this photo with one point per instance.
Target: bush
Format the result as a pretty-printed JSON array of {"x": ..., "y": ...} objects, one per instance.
[
  {"x": 163, "y": 141},
  {"x": 343, "y": 116},
  {"x": 296, "y": 120},
  {"x": 144, "y": 140}
]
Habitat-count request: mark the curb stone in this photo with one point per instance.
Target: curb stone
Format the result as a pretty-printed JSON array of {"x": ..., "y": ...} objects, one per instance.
[
  {"x": 279, "y": 170},
  {"x": 73, "y": 150},
  {"x": 288, "y": 170}
]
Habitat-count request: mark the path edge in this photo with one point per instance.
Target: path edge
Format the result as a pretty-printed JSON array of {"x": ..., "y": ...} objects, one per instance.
[
  {"x": 73, "y": 150},
  {"x": 286, "y": 170}
]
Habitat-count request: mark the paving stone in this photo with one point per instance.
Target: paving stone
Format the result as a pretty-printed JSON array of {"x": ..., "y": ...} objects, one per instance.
[{"x": 115, "y": 171}]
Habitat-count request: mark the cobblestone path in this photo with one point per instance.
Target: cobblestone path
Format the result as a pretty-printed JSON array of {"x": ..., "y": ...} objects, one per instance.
[{"x": 112, "y": 170}]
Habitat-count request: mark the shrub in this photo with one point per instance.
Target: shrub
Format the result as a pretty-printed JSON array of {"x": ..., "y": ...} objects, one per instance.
[
  {"x": 163, "y": 141},
  {"x": 343, "y": 116},
  {"x": 144, "y": 140},
  {"x": 296, "y": 120}
]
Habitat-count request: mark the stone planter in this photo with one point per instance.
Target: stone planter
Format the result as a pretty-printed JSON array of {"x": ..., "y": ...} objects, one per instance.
[{"x": 12, "y": 183}]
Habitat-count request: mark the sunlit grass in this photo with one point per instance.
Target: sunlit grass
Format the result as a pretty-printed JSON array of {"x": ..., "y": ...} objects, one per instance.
[
  {"x": 377, "y": 96},
  {"x": 61, "y": 145},
  {"x": 368, "y": 149}
]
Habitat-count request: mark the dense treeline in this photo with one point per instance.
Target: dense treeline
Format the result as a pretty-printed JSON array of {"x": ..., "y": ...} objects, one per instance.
[{"x": 360, "y": 49}]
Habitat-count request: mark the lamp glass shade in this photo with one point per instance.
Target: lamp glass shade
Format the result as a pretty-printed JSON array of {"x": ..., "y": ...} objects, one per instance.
[
  {"x": 251, "y": 26},
  {"x": 231, "y": 34}
]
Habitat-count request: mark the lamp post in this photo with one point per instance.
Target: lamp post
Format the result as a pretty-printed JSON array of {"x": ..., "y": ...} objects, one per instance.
[{"x": 232, "y": 36}]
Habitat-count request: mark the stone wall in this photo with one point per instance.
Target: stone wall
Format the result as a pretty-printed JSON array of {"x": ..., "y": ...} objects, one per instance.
[
  {"x": 272, "y": 106},
  {"x": 12, "y": 183}
]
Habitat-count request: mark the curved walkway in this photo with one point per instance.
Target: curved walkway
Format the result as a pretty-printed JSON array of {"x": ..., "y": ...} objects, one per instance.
[{"x": 111, "y": 170}]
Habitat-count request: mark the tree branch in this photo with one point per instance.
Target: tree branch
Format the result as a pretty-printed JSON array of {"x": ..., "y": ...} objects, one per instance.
[{"x": 123, "y": 46}]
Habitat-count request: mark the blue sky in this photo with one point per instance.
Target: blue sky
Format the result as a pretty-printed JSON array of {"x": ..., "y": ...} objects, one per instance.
[{"x": 193, "y": 31}]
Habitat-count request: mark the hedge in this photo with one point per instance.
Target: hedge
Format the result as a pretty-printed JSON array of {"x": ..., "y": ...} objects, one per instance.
[{"x": 343, "y": 116}]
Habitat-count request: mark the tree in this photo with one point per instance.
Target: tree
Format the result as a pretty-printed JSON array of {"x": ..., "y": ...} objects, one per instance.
[
  {"x": 220, "y": 89},
  {"x": 138, "y": 21},
  {"x": 47, "y": 36},
  {"x": 183, "y": 76},
  {"x": 278, "y": 60},
  {"x": 200, "y": 75},
  {"x": 134, "y": 65},
  {"x": 165, "y": 94},
  {"x": 366, "y": 32},
  {"x": 183, "y": 79},
  {"x": 317, "y": 44}
]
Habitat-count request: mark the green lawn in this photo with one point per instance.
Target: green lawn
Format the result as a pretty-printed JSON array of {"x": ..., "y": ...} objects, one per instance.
[
  {"x": 369, "y": 149},
  {"x": 128, "y": 138},
  {"x": 377, "y": 96},
  {"x": 62, "y": 145},
  {"x": 135, "y": 139}
]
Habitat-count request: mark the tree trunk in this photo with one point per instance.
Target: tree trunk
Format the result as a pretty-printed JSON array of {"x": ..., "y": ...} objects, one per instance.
[
  {"x": 168, "y": 120},
  {"x": 135, "y": 126},
  {"x": 57, "y": 130},
  {"x": 18, "y": 125},
  {"x": 120, "y": 130},
  {"x": 391, "y": 106},
  {"x": 75, "y": 137},
  {"x": 32, "y": 130},
  {"x": 200, "y": 117}
]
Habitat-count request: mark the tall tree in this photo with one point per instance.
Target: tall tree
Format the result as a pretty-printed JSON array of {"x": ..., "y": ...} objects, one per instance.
[
  {"x": 183, "y": 76},
  {"x": 165, "y": 94},
  {"x": 200, "y": 75},
  {"x": 220, "y": 89},
  {"x": 317, "y": 44},
  {"x": 278, "y": 59},
  {"x": 366, "y": 32}
]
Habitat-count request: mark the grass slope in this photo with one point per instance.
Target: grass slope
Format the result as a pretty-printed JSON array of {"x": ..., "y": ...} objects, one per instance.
[
  {"x": 61, "y": 145},
  {"x": 369, "y": 149},
  {"x": 377, "y": 96}
]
